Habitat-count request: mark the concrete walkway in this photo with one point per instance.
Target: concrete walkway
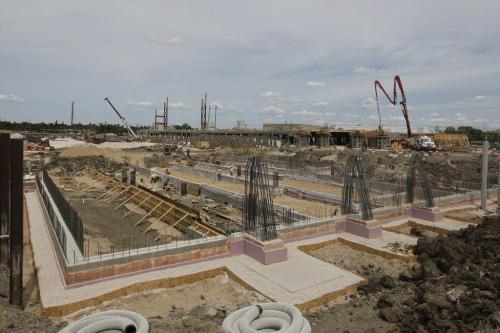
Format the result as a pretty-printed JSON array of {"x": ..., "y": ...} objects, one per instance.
[{"x": 300, "y": 279}]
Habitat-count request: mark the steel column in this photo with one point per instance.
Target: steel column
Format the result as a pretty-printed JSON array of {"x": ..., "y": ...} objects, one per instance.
[{"x": 16, "y": 222}]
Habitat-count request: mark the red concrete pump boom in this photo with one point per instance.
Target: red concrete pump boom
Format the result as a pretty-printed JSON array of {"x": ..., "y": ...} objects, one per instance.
[{"x": 393, "y": 100}]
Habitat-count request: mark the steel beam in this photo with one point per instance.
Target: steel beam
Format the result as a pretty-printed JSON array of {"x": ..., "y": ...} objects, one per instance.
[{"x": 16, "y": 222}]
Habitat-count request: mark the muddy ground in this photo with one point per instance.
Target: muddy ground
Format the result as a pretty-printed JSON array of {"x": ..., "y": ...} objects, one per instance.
[{"x": 359, "y": 262}]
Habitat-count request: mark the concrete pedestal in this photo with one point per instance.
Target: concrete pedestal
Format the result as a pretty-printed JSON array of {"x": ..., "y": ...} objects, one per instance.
[
  {"x": 367, "y": 229},
  {"x": 432, "y": 214},
  {"x": 268, "y": 252}
]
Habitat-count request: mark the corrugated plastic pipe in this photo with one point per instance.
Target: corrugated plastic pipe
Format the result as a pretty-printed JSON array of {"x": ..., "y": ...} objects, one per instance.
[
  {"x": 266, "y": 317},
  {"x": 114, "y": 320}
]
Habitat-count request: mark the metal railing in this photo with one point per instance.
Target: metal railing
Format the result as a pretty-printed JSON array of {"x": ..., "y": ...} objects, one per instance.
[
  {"x": 53, "y": 217},
  {"x": 69, "y": 215}
]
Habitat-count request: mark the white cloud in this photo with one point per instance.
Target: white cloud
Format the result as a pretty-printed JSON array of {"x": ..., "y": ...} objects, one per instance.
[
  {"x": 474, "y": 99},
  {"x": 141, "y": 104},
  {"x": 369, "y": 102},
  {"x": 320, "y": 104},
  {"x": 315, "y": 84},
  {"x": 11, "y": 98},
  {"x": 307, "y": 114},
  {"x": 269, "y": 94},
  {"x": 165, "y": 42},
  {"x": 460, "y": 118},
  {"x": 178, "y": 105},
  {"x": 271, "y": 110},
  {"x": 329, "y": 114},
  {"x": 480, "y": 98},
  {"x": 435, "y": 114},
  {"x": 436, "y": 120},
  {"x": 367, "y": 70}
]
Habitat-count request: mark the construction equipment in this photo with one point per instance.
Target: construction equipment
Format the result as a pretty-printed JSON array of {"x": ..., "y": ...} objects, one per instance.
[
  {"x": 393, "y": 101},
  {"x": 422, "y": 142},
  {"x": 124, "y": 121},
  {"x": 419, "y": 143}
]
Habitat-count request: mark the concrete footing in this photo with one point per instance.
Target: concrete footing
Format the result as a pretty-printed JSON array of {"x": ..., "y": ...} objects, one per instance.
[
  {"x": 367, "y": 229},
  {"x": 433, "y": 214},
  {"x": 266, "y": 253}
]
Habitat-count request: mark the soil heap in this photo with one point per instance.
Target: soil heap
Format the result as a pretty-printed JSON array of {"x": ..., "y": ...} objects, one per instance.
[{"x": 454, "y": 286}]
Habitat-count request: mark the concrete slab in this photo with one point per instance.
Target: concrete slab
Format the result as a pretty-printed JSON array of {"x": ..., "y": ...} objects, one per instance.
[{"x": 297, "y": 273}]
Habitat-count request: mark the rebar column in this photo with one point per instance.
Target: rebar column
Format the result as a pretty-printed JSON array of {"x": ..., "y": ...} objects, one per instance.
[
  {"x": 484, "y": 176},
  {"x": 275, "y": 179},
  {"x": 16, "y": 222},
  {"x": 124, "y": 175},
  {"x": 184, "y": 189},
  {"x": 4, "y": 195}
]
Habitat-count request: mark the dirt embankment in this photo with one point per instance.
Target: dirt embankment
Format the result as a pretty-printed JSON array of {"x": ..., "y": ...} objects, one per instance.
[{"x": 454, "y": 287}]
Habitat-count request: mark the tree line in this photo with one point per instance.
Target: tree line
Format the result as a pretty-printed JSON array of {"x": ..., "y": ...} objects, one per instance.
[
  {"x": 474, "y": 134},
  {"x": 56, "y": 126}
]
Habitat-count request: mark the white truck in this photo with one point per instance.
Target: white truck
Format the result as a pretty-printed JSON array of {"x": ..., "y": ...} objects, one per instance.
[{"x": 422, "y": 143}]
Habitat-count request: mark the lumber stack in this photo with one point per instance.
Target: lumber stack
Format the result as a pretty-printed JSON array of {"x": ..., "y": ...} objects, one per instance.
[{"x": 449, "y": 141}]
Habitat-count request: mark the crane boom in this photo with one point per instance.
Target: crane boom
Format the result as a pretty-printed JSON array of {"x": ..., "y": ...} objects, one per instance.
[
  {"x": 393, "y": 100},
  {"x": 122, "y": 118}
]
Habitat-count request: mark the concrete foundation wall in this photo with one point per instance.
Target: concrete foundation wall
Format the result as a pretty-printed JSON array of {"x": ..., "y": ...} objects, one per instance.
[{"x": 129, "y": 265}]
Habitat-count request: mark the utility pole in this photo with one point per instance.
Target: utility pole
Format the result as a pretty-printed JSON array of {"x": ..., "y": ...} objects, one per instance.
[
  {"x": 72, "y": 112},
  {"x": 215, "y": 110},
  {"x": 498, "y": 187},
  {"x": 165, "y": 114},
  {"x": 484, "y": 174}
]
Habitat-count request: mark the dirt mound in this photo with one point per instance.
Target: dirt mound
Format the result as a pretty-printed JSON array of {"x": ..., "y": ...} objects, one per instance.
[
  {"x": 454, "y": 287},
  {"x": 73, "y": 164}
]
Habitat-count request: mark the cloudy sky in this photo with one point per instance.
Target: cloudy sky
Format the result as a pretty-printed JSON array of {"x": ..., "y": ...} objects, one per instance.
[{"x": 260, "y": 61}]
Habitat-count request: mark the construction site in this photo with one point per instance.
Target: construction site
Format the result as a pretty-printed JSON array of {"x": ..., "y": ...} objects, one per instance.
[
  {"x": 317, "y": 212},
  {"x": 183, "y": 229}
]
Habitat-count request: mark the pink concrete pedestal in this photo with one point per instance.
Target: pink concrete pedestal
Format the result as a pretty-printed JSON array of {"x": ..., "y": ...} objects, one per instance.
[
  {"x": 433, "y": 214},
  {"x": 268, "y": 252},
  {"x": 367, "y": 229}
]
